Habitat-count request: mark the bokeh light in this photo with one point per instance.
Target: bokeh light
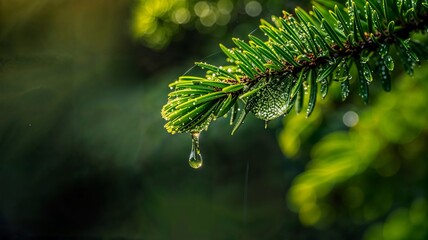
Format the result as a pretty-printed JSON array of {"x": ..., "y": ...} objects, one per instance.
[
  {"x": 202, "y": 9},
  {"x": 253, "y": 8},
  {"x": 155, "y": 22},
  {"x": 225, "y": 6},
  {"x": 181, "y": 16},
  {"x": 350, "y": 119}
]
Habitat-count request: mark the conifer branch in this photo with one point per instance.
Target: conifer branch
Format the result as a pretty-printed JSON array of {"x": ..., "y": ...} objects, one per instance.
[{"x": 303, "y": 52}]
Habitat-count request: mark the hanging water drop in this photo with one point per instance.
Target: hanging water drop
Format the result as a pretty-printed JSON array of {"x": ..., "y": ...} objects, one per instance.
[{"x": 195, "y": 158}]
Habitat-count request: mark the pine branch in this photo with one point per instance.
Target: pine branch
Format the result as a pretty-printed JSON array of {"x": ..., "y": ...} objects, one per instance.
[{"x": 303, "y": 52}]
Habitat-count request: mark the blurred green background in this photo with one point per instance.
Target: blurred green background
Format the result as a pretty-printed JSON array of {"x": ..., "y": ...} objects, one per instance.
[{"x": 83, "y": 152}]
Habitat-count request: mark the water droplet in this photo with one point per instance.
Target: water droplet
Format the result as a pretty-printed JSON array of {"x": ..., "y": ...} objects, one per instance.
[
  {"x": 364, "y": 59},
  {"x": 345, "y": 89},
  {"x": 367, "y": 72},
  {"x": 195, "y": 158},
  {"x": 383, "y": 50},
  {"x": 324, "y": 88},
  {"x": 389, "y": 62}
]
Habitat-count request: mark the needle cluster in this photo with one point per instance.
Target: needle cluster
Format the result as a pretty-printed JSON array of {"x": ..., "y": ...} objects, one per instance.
[{"x": 303, "y": 52}]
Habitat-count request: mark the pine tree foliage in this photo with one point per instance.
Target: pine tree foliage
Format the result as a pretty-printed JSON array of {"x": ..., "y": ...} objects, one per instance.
[{"x": 304, "y": 54}]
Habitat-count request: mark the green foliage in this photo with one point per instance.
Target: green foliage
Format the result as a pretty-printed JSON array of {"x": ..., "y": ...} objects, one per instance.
[
  {"x": 361, "y": 164},
  {"x": 301, "y": 57},
  {"x": 156, "y": 23}
]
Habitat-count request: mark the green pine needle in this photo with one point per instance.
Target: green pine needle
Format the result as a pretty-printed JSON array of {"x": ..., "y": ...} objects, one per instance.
[{"x": 267, "y": 76}]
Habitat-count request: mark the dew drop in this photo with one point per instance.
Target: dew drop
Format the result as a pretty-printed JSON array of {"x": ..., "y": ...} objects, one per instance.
[
  {"x": 345, "y": 89},
  {"x": 367, "y": 72},
  {"x": 332, "y": 61},
  {"x": 195, "y": 158},
  {"x": 389, "y": 62},
  {"x": 364, "y": 59},
  {"x": 324, "y": 88}
]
